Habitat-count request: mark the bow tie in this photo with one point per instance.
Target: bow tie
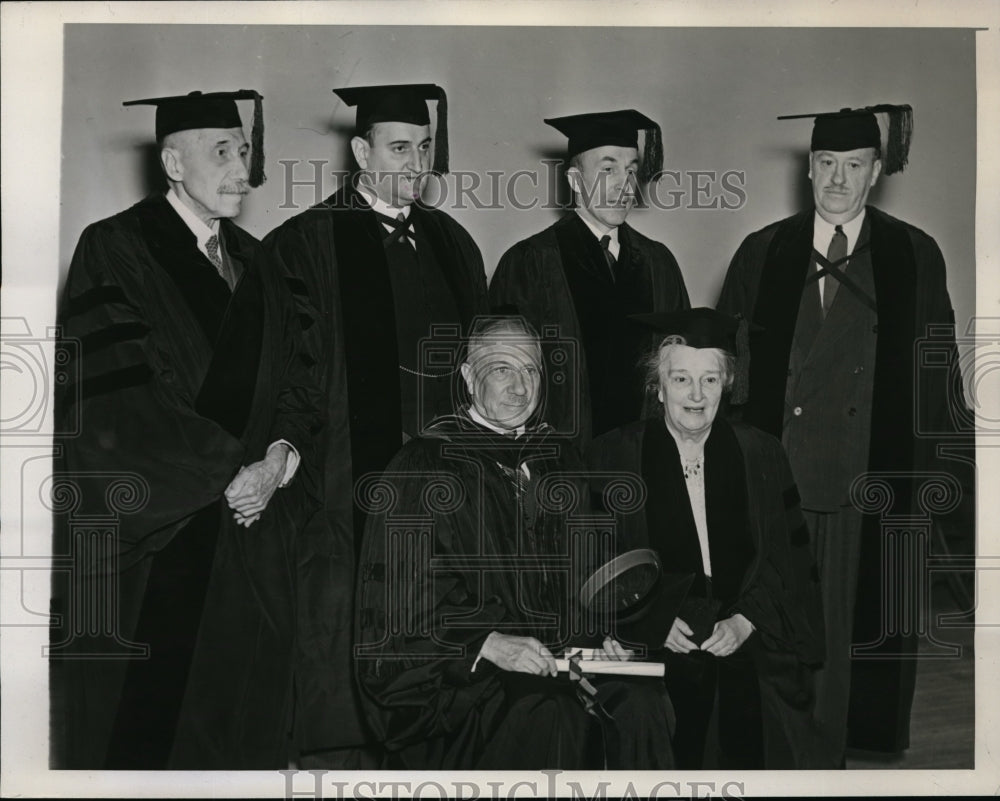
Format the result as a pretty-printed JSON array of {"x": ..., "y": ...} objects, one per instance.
[{"x": 401, "y": 226}]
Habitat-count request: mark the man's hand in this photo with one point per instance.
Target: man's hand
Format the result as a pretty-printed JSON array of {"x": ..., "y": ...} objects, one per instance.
[
  {"x": 728, "y": 635},
  {"x": 519, "y": 654},
  {"x": 677, "y": 639},
  {"x": 614, "y": 650},
  {"x": 249, "y": 493}
]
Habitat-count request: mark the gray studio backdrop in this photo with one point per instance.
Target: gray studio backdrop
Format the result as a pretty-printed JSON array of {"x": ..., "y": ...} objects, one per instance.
[{"x": 715, "y": 92}]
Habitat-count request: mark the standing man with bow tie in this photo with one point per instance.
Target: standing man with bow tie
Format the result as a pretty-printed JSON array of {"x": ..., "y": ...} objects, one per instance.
[
  {"x": 842, "y": 293},
  {"x": 194, "y": 408},
  {"x": 374, "y": 271},
  {"x": 590, "y": 270}
]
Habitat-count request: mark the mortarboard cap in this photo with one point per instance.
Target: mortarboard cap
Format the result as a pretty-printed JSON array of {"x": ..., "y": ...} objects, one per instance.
[
  {"x": 707, "y": 328},
  {"x": 401, "y": 103},
  {"x": 851, "y": 129},
  {"x": 618, "y": 128},
  {"x": 637, "y": 595},
  {"x": 210, "y": 110}
]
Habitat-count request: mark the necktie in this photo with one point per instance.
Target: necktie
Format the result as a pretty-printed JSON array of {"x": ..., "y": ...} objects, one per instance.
[
  {"x": 836, "y": 252},
  {"x": 212, "y": 246},
  {"x": 215, "y": 256},
  {"x": 609, "y": 257}
]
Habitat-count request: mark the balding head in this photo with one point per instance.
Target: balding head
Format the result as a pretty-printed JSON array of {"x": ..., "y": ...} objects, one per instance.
[{"x": 503, "y": 370}]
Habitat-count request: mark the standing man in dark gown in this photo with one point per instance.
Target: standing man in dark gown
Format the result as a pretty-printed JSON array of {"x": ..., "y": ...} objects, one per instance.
[
  {"x": 175, "y": 643},
  {"x": 843, "y": 292},
  {"x": 373, "y": 270},
  {"x": 590, "y": 270}
]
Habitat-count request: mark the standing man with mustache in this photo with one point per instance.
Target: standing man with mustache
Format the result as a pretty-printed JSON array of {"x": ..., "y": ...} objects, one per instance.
[
  {"x": 375, "y": 273},
  {"x": 590, "y": 270},
  {"x": 174, "y": 648},
  {"x": 842, "y": 292}
]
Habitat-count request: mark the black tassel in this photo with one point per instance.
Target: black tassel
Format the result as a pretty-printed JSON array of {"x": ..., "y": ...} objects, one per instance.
[
  {"x": 441, "y": 135},
  {"x": 257, "y": 176},
  {"x": 652, "y": 155},
  {"x": 741, "y": 381},
  {"x": 898, "y": 136}
]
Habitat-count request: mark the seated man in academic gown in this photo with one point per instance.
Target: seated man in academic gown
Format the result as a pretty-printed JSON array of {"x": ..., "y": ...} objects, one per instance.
[
  {"x": 720, "y": 505},
  {"x": 590, "y": 270},
  {"x": 176, "y": 635},
  {"x": 375, "y": 274},
  {"x": 465, "y": 585}
]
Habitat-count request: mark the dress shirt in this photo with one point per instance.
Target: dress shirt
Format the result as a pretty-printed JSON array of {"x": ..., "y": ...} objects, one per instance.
[
  {"x": 822, "y": 234},
  {"x": 202, "y": 233},
  {"x": 382, "y": 207},
  {"x": 696, "y": 495},
  {"x": 614, "y": 246}
]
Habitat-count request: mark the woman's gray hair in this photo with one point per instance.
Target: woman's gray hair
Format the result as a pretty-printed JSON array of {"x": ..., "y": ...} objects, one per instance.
[{"x": 660, "y": 355}]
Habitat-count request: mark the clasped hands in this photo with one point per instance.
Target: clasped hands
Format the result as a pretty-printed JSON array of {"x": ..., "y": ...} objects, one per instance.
[
  {"x": 249, "y": 493},
  {"x": 727, "y": 636},
  {"x": 528, "y": 655}
]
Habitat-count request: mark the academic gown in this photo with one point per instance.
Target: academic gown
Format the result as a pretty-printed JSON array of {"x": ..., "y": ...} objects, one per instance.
[
  {"x": 761, "y": 567},
  {"x": 342, "y": 288},
  {"x": 765, "y": 283},
  {"x": 178, "y": 383},
  {"x": 485, "y": 548},
  {"x": 559, "y": 277}
]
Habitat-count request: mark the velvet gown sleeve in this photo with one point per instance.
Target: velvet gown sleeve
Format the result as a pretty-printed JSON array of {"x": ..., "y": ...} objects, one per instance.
[
  {"x": 739, "y": 289},
  {"x": 472, "y": 258},
  {"x": 298, "y": 413},
  {"x": 520, "y": 280}
]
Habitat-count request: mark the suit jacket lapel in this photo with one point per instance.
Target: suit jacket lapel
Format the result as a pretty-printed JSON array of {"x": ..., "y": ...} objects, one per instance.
[
  {"x": 234, "y": 256},
  {"x": 776, "y": 311},
  {"x": 837, "y": 323}
]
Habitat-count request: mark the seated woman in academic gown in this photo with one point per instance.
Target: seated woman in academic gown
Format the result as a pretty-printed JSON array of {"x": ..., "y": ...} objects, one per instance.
[{"x": 721, "y": 504}]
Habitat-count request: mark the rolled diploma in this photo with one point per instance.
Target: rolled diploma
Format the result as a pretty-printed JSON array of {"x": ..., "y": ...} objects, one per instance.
[{"x": 614, "y": 667}]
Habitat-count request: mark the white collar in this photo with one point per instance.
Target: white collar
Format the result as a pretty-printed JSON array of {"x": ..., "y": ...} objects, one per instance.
[
  {"x": 823, "y": 232},
  {"x": 478, "y": 418},
  {"x": 380, "y": 205},
  {"x": 201, "y": 231},
  {"x": 597, "y": 232}
]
